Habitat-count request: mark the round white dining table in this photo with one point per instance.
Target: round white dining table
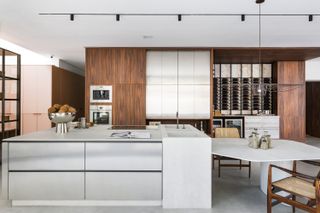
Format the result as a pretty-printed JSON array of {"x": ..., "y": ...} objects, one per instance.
[{"x": 282, "y": 153}]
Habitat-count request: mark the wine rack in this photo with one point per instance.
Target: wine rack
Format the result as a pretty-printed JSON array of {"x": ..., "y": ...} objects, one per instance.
[{"x": 237, "y": 88}]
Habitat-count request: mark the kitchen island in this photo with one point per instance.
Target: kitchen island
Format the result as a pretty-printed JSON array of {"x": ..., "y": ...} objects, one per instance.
[{"x": 171, "y": 168}]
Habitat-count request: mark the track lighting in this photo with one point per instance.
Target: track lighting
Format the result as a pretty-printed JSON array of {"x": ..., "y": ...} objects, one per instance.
[
  {"x": 243, "y": 17},
  {"x": 179, "y": 17},
  {"x": 118, "y": 17},
  {"x": 310, "y": 18},
  {"x": 71, "y": 17}
]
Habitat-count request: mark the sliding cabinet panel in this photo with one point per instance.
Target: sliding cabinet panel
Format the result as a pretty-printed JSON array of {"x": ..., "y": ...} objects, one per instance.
[
  {"x": 154, "y": 67},
  {"x": 202, "y": 67},
  {"x": 123, "y": 186},
  {"x": 186, "y": 101},
  {"x": 46, "y": 156},
  {"x": 169, "y": 67},
  {"x": 202, "y": 101},
  {"x": 169, "y": 101},
  {"x": 124, "y": 156},
  {"x": 46, "y": 186},
  {"x": 185, "y": 67},
  {"x": 153, "y": 101}
]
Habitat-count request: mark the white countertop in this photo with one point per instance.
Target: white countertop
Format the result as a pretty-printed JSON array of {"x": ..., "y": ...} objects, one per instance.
[
  {"x": 103, "y": 133},
  {"x": 96, "y": 133},
  {"x": 282, "y": 150}
]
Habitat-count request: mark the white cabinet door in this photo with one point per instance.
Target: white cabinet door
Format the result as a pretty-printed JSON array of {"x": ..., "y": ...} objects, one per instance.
[
  {"x": 124, "y": 156},
  {"x": 169, "y": 101},
  {"x": 46, "y": 156},
  {"x": 153, "y": 101},
  {"x": 186, "y": 101},
  {"x": 154, "y": 67},
  {"x": 202, "y": 101},
  {"x": 46, "y": 186},
  {"x": 29, "y": 123},
  {"x": 202, "y": 67},
  {"x": 43, "y": 122},
  {"x": 169, "y": 67},
  {"x": 123, "y": 186},
  {"x": 29, "y": 94},
  {"x": 44, "y": 87},
  {"x": 185, "y": 67}
]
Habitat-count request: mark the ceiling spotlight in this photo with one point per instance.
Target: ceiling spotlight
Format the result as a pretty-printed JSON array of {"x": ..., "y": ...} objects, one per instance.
[
  {"x": 259, "y": 1},
  {"x": 310, "y": 18},
  {"x": 179, "y": 17},
  {"x": 71, "y": 17},
  {"x": 118, "y": 17},
  {"x": 243, "y": 17}
]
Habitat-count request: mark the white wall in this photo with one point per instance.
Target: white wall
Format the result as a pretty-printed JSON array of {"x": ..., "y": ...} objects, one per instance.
[
  {"x": 28, "y": 57},
  {"x": 313, "y": 70}
]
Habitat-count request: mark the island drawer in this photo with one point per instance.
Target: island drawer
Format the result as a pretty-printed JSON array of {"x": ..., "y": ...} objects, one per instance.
[
  {"x": 28, "y": 156},
  {"x": 124, "y": 156},
  {"x": 124, "y": 186},
  {"x": 46, "y": 186}
]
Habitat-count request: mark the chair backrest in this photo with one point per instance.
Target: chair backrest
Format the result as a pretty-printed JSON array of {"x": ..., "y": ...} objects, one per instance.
[
  {"x": 227, "y": 133},
  {"x": 310, "y": 162}
]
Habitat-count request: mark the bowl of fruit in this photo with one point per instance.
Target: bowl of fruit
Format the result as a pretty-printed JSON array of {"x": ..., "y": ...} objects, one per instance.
[{"x": 61, "y": 115}]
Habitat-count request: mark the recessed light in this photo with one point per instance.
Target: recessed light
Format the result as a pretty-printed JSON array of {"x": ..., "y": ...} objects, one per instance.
[{"x": 147, "y": 37}]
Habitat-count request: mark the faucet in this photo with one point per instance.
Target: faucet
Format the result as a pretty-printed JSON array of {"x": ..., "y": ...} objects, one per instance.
[{"x": 177, "y": 116}]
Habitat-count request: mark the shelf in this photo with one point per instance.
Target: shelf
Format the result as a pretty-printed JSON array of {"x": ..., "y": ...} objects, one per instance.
[
  {"x": 10, "y": 99},
  {"x": 8, "y": 121},
  {"x": 9, "y": 78}
]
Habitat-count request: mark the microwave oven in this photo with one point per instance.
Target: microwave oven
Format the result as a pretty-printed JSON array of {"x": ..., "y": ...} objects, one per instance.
[{"x": 100, "y": 94}]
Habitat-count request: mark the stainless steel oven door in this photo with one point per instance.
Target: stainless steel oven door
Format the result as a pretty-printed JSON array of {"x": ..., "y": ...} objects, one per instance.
[{"x": 101, "y": 117}]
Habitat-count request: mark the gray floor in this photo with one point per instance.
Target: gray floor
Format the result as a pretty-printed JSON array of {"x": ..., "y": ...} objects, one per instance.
[{"x": 233, "y": 192}]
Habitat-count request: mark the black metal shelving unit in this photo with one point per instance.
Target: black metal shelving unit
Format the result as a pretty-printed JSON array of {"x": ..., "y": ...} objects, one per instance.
[
  {"x": 10, "y": 94},
  {"x": 234, "y": 86}
]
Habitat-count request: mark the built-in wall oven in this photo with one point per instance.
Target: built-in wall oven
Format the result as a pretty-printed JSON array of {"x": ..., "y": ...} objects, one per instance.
[
  {"x": 100, "y": 94},
  {"x": 101, "y": 114}
]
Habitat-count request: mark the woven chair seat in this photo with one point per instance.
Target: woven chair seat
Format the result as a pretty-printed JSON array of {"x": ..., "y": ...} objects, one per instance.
[{"x": 296, "y": 186}]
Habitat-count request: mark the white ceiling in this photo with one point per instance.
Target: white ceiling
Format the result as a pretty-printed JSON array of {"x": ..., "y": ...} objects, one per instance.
[{"x": 56, "y": 35}]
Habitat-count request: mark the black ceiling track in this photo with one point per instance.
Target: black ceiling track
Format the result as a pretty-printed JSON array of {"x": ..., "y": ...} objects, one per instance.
[{"x": 178, "y": 14}]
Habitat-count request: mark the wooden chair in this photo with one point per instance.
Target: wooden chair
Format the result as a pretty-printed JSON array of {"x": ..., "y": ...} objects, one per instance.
[
  {"x": 228, "y": 133},
  {"x": 297, "y": 185}
]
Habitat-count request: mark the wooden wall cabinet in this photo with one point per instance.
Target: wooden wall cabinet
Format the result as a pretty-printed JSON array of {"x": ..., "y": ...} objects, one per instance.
[
  {"x": 125, "y": 70},
  {"x": 313, "y": 109},
  {"x": 291, "y": 99}
]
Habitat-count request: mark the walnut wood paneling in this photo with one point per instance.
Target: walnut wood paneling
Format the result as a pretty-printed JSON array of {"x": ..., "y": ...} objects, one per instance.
[
  {"x": 125, "y": 70},
  {"x": 313, "y": 108},
  {"x": 291, "y": 99},
  {"x": 268, "y": 55},
  {"x": 68, "y": 88}
]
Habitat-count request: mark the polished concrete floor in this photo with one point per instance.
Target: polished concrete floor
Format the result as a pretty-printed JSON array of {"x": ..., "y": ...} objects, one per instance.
[{"x": 233, "y": 192}]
